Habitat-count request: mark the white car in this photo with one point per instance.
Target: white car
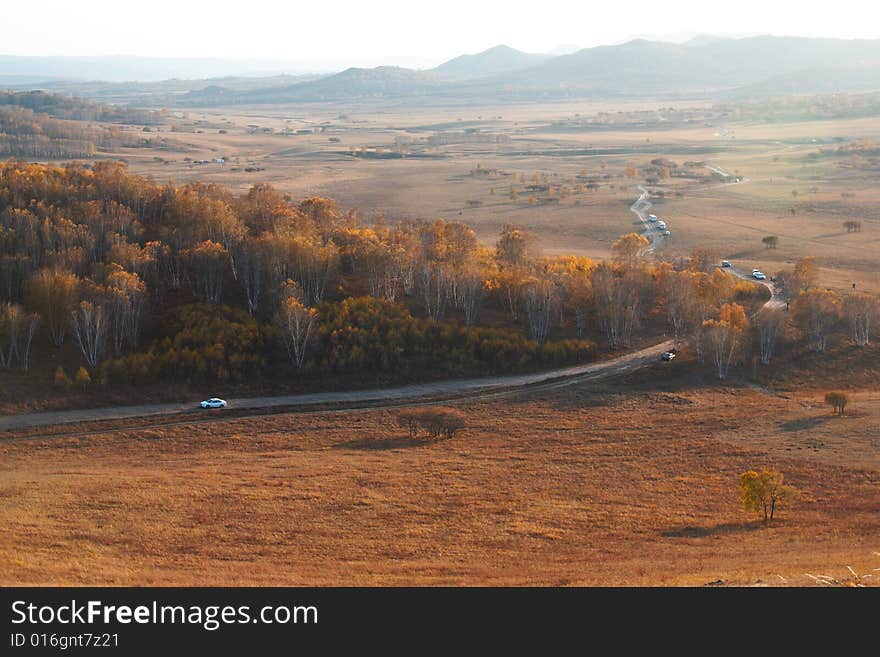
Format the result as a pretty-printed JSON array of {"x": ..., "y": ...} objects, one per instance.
[
  {"x": 666, "y": 233},
  {"x": 760, "y": 276},
  {"x": 652, "y": 218},
  {"x": 213, "y": 402}
]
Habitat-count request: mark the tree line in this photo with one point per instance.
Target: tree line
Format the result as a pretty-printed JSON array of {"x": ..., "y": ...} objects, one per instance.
[{"x": 156, "y": 282}]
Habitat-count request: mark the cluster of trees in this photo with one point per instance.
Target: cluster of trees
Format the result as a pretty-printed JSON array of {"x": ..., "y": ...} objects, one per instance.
[
  {"x": 79, "y": 109},
  {"x": 192, "y": 282},
  {"x": 436, "y": 421},
  {"x": 25, "y": 133}
]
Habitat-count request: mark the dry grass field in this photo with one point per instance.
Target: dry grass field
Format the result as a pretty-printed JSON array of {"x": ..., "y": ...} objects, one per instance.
[
  {"x": 624, "y": 484},
  {"x": 352, "y": 154}
]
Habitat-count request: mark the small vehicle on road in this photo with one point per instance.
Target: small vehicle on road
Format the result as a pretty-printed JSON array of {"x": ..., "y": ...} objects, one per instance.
[
  {"x": 653, "y": 218},
  {"x": 760, "y": 276},
  {"x": 725, "y": 263},
  {"x": 666, "y": 233},
  {"x": 213, "y": 402},
  {"x": 668, "y": 355}
]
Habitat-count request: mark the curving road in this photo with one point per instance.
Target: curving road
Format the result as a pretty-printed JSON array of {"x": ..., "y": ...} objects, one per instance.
[{"x": 640, "y": 209}]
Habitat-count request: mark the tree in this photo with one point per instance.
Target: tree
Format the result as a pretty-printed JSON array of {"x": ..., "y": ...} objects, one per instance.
[
  {"x": 539, "y": 300},
  {"x": 127, "y": 296},
  {"x": 82, "y": 379},
  {"x": 806, "y": 273},
  {"x": 516, "y": 246},
  {"x": 764, "y": 491},
  {"x": 816, "y": 314},
  {"x": 770, "y": 323},
  {"x": 861, "y": 310},
  {"x": 629, "y": 248},
  {"x": 17, "y": 329},
  {"x": 436, "y": 421},
  {"x": 297, "y": 323},
  {"x": 617, "y": 302},
  {"x": 53, "y": 294},
  {"x": 61, "y": 380},
  {"x": 837, "y": 400},
  {"x": 680, "y": 295},
  {"x": 770, "y": 242},
  {"x": 207, "y": 262},
  {"x": 852, "y": 226},
  {"x": 723, "y": 338},
  {"x": 90, "y": 325}
]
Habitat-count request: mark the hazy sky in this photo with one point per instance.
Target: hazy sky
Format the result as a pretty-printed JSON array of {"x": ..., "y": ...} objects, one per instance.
[{"x": 396, "y": 31}]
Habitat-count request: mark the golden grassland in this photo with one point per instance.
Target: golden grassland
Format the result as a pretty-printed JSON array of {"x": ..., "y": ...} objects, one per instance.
[
  {"x": 731, "y": 219},
  {"x": 626, "y": 484}
]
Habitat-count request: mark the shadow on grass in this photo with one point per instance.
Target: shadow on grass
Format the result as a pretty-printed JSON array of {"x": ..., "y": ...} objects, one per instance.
[
  {"x": 381, "y": 444},
  {"x": 803, "y": 423},
  {"x": 690, "y": 531}
]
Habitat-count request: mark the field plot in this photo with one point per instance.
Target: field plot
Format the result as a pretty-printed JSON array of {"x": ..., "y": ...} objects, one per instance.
[
  {"x": 556, "y": 169},
  {"x": 619, "y": 485}
]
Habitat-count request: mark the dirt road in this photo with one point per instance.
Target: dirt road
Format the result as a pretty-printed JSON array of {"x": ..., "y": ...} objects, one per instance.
[
  {"x": 435, "y": 390},
  {"x": 439, "y": 390}
]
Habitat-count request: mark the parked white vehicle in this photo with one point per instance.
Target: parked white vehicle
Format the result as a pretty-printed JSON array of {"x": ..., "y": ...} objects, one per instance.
[
  {"x": 213, "y": 402},
  {"x": 653, "y": 218},
  {"x": 759, "y": 276}
]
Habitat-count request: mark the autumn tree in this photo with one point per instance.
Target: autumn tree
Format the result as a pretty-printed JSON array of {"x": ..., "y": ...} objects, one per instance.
[
  {"x": 617, "y": 302},
  {"x": 769, "y": 327},
  {"x": 516, "y": 246},
  {"x": 207, "y": 265},
  {"x": 296, "y": 323},
  {"x": 680, "y": 296},
  {"x": 90, "y": 325},
  {"x": 805, "y": 274},
  {"x": 629, "y": 248},
  {"x": 53, "y": 294},
  {"x": 816, "y": 314},
  {"x": 861, "y": 311},
  {"x": 764, "y": 491},
  {"x": 724, "y": 337},
  {"x": 126, "y": 294},
  {"x": 539, "y": 300},
  {"x": 17, "y": 329},
  {"x": 837, "y": 400}
]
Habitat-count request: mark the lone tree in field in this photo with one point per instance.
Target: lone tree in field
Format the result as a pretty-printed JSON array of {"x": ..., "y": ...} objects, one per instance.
[
  {"x": 436, "y": 421},
  {"x": 771, "y": 241},
  {"x": 837, "y": 400},
  {"x": 763, "y": 491}
]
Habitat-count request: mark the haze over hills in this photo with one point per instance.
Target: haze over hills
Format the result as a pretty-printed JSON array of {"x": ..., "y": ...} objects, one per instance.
[
  {"x": 494, "y": 61},
  {"x": 705, "y": 64}
]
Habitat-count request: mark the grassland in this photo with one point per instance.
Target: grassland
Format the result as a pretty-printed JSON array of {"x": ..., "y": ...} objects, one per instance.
[
  {"x": 631, "y": 483},
  {"x": 463, "y": 162}
]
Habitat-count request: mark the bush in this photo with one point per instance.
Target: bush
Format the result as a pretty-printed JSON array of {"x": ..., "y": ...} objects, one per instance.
[
  {"x": 437, "y": 421},
  {"x": 82, "y": 378},
  {"x": 838, "y": 401},
  {"x": 61, "y": 379}
]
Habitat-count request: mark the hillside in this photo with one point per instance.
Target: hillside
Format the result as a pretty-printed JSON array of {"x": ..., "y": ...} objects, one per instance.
[{"x": 494, "y": 61}]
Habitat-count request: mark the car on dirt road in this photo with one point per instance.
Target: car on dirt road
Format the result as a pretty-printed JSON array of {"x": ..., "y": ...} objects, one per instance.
[
  {"x": 725, "y": 264},
  {"x": 759, "y": 276},
  {"x": 668, "y": 355},
  {"x": 213, "y": 402}
]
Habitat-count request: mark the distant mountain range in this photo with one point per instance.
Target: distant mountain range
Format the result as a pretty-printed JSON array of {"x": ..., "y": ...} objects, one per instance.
[{"x": 763, "y": 65}]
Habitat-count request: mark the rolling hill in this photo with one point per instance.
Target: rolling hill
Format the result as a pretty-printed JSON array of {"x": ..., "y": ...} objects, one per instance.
[{"x": 494, "y": 61}]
